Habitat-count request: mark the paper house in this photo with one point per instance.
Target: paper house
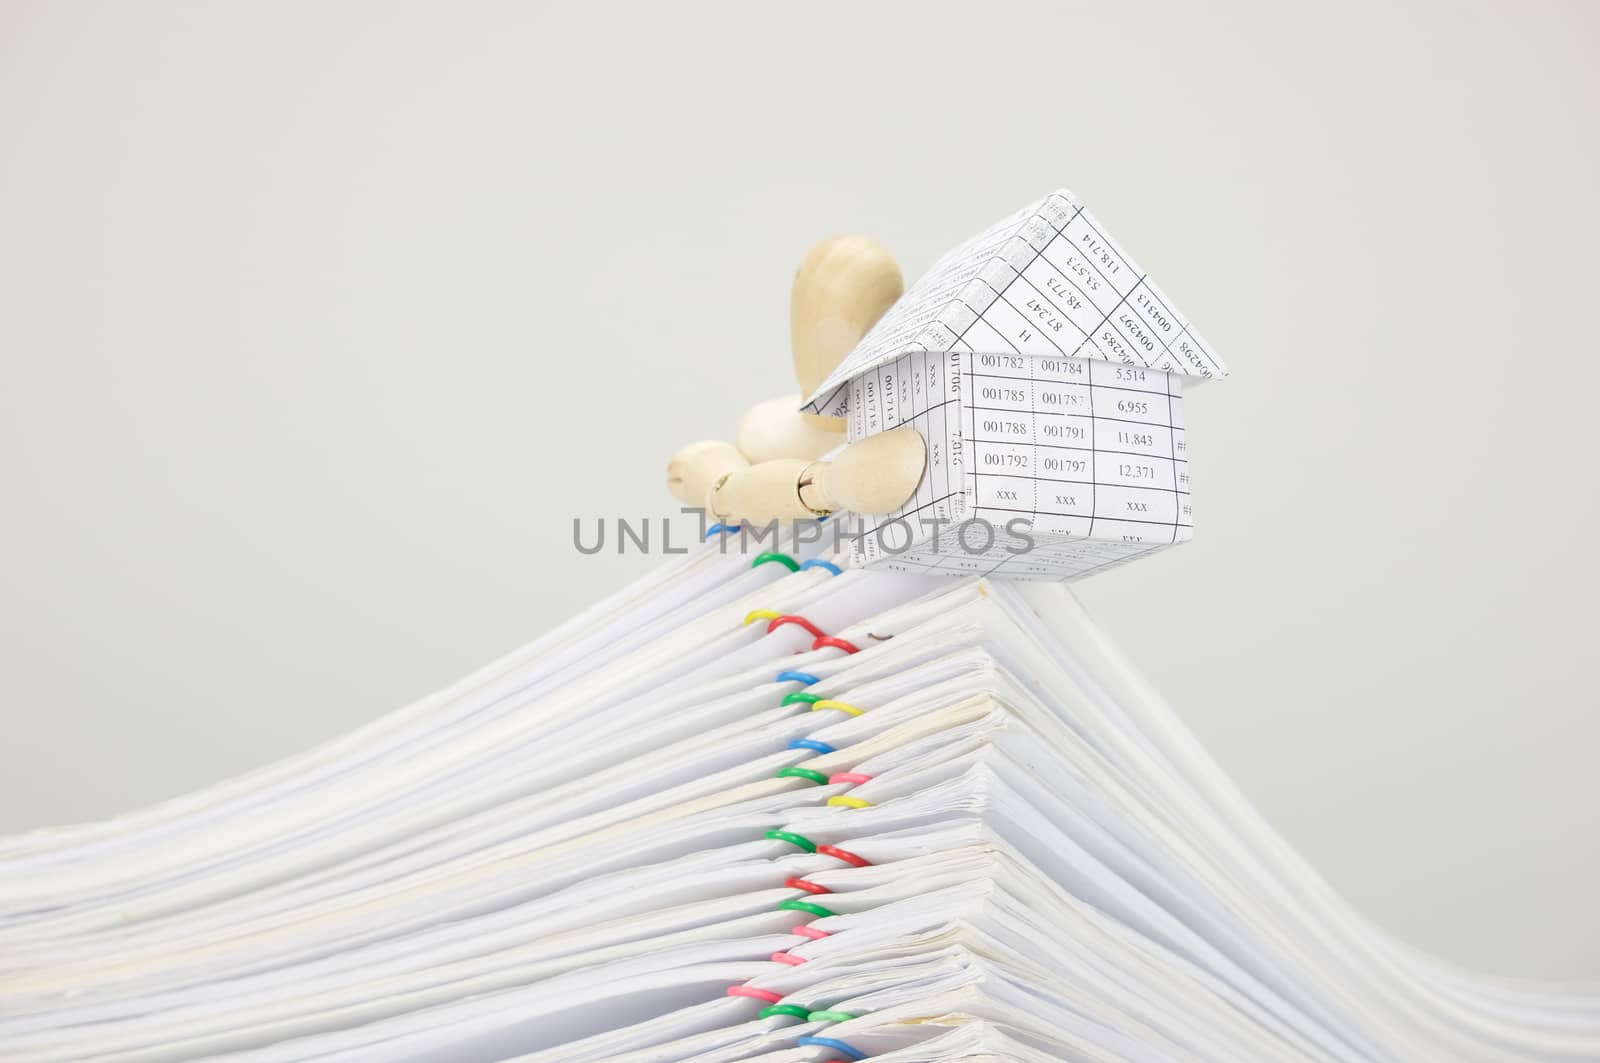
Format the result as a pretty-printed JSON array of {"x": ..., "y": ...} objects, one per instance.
[{"x": 1045, "y": 370}]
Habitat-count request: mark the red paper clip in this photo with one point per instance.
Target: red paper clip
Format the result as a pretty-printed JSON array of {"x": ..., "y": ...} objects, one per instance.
[
  {"x": 776, "y": 622},
  {"x": 843, "y": 854},
  {"x": 836, "y": 643}
]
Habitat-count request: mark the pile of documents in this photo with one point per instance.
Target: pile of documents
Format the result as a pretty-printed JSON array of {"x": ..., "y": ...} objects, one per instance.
[{"x": 777, "y": 811}]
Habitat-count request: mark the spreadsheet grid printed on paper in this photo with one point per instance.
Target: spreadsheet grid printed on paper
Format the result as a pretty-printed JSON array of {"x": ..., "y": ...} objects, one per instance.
[
  {"x": 1088, "y": 454},
  {"x": 1047, "y": 281},
  {"x": 1044, "y": 370}
]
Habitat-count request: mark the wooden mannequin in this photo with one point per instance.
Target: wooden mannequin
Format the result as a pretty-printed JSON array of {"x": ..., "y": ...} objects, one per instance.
[
  {"x": 843, "y": 286},
  {"x": 873, "y": 475}
]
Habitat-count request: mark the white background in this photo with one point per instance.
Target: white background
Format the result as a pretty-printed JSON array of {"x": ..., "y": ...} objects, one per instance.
[{"x": 314, "y": 317}]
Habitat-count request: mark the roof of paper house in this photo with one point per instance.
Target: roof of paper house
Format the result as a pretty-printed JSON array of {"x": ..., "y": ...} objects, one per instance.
[{"x": 1046, "y": 282}]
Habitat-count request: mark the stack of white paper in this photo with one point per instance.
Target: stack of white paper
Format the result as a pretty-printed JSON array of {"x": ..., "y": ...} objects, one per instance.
[{"x": 922, "y": 819}]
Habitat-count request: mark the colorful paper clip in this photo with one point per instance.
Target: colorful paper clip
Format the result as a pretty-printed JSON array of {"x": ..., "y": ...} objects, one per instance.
[
  {"x": 849, "y": 1053},
  {"x": 811, "y": 629},
  {"x": 783, "y": 559}
]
